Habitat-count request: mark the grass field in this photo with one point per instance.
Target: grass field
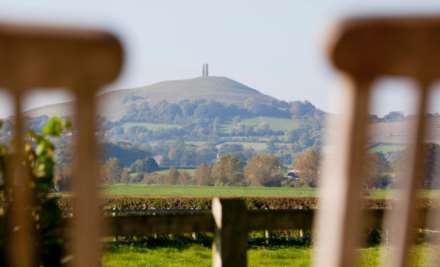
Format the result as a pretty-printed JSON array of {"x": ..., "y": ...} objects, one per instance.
[
  {"x": 165, "y": 172},
  {"x": 152, "y": 126},
  {"x": 199, "y": 256},
  {"x": 276, "y": 124},
  {"x": 208, "y": 191},
  {"x": 232, "y": 191},
  {"x": 257, "y": 146},
  {"x": 387, "y": 148}
]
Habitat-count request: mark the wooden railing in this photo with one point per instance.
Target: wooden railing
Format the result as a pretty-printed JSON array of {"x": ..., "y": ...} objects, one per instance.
[{"x": 363, "y": 49}]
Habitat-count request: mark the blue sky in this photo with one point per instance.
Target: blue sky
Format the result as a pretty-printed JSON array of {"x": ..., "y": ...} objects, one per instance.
[{"x": 274, "y": 46}]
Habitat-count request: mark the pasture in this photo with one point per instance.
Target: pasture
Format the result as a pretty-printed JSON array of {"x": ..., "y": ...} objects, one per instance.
[
  {"x": 234, "y": 191},
  {"x": 207, "y": 191},
  {"x": 200, "y": 256}
]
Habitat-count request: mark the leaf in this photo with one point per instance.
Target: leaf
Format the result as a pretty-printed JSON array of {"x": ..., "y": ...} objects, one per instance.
[{"x": 54, "y": 127}]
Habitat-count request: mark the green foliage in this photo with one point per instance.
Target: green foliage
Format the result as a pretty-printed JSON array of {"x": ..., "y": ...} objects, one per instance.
[
  {"x": 227, "y": 171},
  {"x": 56, "y": 126},
  {"x": 147, "y": 165},
  {"x": 264, "y": 170},
  {"x": 111, "y": 171},
  {"x": 45, "y": 213}
]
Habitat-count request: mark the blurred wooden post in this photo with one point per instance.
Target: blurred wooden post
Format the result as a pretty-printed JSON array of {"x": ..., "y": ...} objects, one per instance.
[
  {"x": 231, "y": 233},
  {"x": 375, "y": 47},
  {"x": 20, "y": 232},
  {"x": 403, "y": 218},
  {"x": 85, "y": 183},
  {"x": 339, "y": 223},
  {"x": 81, "y": 61}
]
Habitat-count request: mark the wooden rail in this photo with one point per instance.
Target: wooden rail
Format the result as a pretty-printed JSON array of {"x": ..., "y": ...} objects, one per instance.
[{"x": 168, "y": 222}]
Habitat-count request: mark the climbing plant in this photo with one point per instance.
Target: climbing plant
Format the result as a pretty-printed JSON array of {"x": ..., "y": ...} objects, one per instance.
[{"x": 45, "y": 213}]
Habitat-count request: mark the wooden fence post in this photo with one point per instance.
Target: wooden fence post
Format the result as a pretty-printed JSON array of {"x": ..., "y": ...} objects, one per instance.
[{"x": 231, "y": 233}]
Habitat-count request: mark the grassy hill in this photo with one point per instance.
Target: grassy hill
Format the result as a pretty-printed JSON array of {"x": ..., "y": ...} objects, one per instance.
[{"x": 114, "y": 104}]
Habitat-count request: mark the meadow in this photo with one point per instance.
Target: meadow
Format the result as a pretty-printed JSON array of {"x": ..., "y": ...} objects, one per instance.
[
  {"x": 207, "y": 191},
  {"x": 234, "y": 191},
  {"x": 200, "y": 256}
]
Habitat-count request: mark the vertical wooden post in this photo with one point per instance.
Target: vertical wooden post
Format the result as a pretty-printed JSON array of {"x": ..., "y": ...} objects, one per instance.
[
  {"x": 403, "y": 217},
  {"x": 231, "y": 233},
  {"x": 338, "y": 224},
  {"x": 20, "y": 228},
  {"x": 86, "y": 229}
]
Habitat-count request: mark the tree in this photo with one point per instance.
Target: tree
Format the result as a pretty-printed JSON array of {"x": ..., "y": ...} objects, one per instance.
[
  {"x": 402, "y": 164},
  {"x": 125, "y": 176},
  {"x": 185, "y": 178},
  {"x": 141, "y": 166},
  {"x": 111, "y": 171},
  {"x": 227, "y": 171},
  {"x": 173, "y": 176},
  {"x": 151, "y": 165},
  {"x": 378, "y": 171},
  {"x": 264, "y": 170},
  {"x": 153, "y": 178},
  {"x": 203, "y": 175},
  {"x": 307, "y": 167}
]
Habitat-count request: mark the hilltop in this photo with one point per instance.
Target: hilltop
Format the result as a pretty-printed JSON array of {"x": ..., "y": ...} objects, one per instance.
[{"x": 115, "y": 104}]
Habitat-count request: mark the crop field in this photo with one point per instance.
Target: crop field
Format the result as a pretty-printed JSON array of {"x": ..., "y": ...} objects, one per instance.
[{"x": 200, "y": 256}]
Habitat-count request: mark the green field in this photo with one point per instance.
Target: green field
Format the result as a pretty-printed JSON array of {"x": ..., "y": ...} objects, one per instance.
[
  {"x": 165, "y": 172},
  {"x": 257, "y": 146},
  {"x": 208, "y": 191},
  {"x": 387, "y": 148},
  {"x": 152, "y": 126},
  {"x": 198, "y": 256},
  {"x": 276, "y": 124},
  {"x": 233, "y": 191}
]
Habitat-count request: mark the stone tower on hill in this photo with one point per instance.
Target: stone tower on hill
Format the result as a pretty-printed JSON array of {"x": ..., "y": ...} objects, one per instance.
[{"x": 205, "y": 70}]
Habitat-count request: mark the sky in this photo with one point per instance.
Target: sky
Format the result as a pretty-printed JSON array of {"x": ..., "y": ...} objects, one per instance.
[{"x": 276, "y": 47}]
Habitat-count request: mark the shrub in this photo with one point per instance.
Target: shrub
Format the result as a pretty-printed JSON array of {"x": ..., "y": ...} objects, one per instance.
[{"x": 45, "y": 212}]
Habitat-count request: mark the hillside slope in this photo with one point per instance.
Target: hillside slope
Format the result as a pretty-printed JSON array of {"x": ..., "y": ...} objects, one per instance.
[{"x": 115, "y": 104}]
